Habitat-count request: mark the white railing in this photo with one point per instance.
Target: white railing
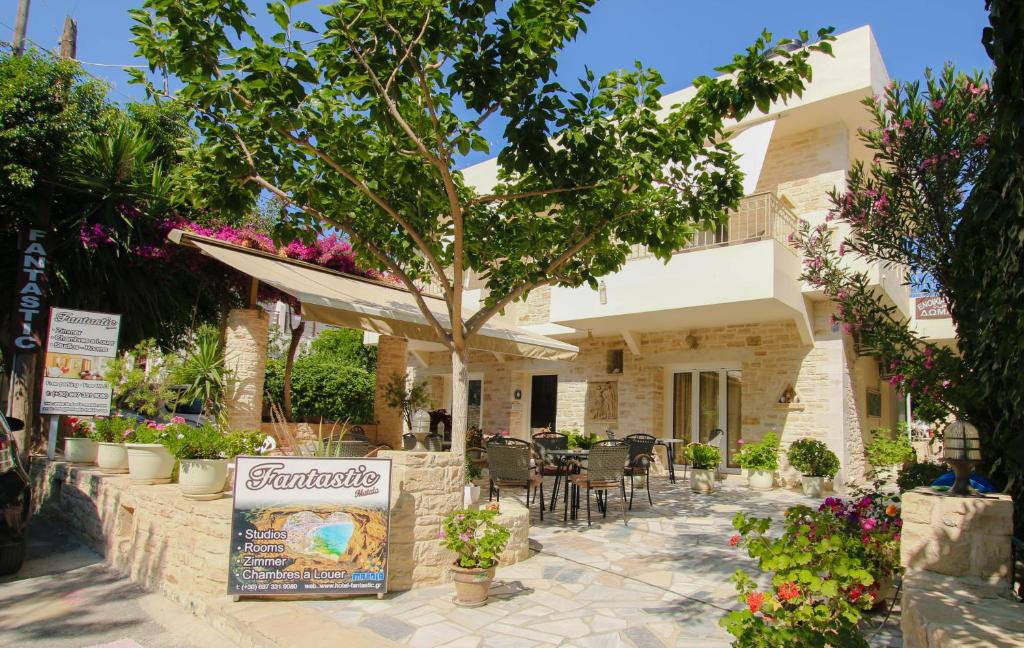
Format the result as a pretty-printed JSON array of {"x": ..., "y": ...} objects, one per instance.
[{"x": 760, "y": 217}]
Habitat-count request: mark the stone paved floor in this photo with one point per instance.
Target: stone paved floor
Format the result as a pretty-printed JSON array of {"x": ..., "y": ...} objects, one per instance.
[{"x": 661, "y": 581}]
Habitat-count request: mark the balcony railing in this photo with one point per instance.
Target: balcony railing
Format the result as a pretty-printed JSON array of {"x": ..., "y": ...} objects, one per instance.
[{"x": 760, "y": 217}]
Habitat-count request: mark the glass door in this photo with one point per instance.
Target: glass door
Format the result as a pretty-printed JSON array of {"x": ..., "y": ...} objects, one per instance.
[{"x": 707, "y": 407}]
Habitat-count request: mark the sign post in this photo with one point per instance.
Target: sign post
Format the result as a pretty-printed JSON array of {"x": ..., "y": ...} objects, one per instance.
[
  {"x": 78, "y": 348},
  {"x": 309, "y": 525}
]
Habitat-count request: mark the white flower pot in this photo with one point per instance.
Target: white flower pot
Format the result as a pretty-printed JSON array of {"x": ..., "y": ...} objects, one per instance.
[
  {"x": 149, "y": 463},
  {"x": 202, "y": 479},
  {"x": 79, "y": 450},
  {"x": 112, "y": 457},
  {"x": 470, "y": 494},
  {"x": 702, "y": 480},
  {"x": 812, "y": 486},
  {"x": 760, "y": 479}
]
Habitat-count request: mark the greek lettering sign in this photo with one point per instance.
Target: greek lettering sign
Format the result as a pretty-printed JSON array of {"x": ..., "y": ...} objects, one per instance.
[
  {"x": 78, "y": 348},
  {"x": 310, "y": 525},
  {"x": 931, "y": 307}
]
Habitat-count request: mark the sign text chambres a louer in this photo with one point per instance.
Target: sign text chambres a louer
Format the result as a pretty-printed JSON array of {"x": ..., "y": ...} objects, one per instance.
[
  {"x": 79, "y": 347},
  {"x": 309, "y": 525}
]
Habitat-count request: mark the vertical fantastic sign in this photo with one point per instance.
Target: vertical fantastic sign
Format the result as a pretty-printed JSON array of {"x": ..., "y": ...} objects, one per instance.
[
  {"x": 79, "y": 346},
  {"x": 310, "y": 525},
  {"x": 30, "y": 307}
]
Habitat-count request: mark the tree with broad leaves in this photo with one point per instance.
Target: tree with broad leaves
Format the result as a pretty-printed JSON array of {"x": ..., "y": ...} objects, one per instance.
[{"x": 358, "y": 122}]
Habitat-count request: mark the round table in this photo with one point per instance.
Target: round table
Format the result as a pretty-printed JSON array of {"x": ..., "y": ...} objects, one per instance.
[
  {"x": 563, "y": 457},
  {"x": 670, "y": 444}
]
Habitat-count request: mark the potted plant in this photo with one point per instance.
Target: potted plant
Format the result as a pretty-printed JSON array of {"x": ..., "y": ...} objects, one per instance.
[
  {"x": 471, "y": 492},
  {"x": 478, "y": 542},
  {"x": 202, "y": 469},
  {"x": 815, "y": 462},
  {"x": 761, "y": 460},
  {"x": 150, "y": 456},
  {"x": 704, "y": 460},
  {"x": 79, "y": 448},
  {"x": 241, "y": 442},
  {"x": 583, "y": 441},
  {"x": 887, "y": 454},
  {"x": 110, "y": 434}
]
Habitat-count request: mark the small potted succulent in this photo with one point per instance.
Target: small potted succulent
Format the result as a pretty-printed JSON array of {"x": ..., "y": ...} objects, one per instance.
[
  {"x": 202, "y": 468},
  {"x": 478, "y": 542},
  {"x": 887, "y": 454},
  {"x": 816, "y": 463},
  {"x": 110, "y": 435},
  {"x": 761, "y": 460},
  {"x": 150, "y": 455},
  {"x": 79, "y": 447},
  {"x": 471, "y": 492},
  {"x": 704, "y": 460}
]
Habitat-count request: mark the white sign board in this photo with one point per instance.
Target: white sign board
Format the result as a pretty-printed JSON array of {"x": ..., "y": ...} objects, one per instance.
[{"x": 78, "y": 348}]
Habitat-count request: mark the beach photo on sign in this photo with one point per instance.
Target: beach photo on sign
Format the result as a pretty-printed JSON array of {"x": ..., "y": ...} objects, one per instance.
[{"x": 305, "y": 525}]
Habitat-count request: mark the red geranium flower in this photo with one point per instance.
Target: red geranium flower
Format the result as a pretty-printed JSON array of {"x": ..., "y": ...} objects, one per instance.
[
  {"x": 755, "y": 600},
  {"x": 788, "y": 590},
  {"x": 734, "y": 540},
  {"x": 855, "y": 593}
]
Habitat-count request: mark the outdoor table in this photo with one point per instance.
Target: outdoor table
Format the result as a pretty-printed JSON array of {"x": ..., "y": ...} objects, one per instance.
[
  {"x": 670, "y": 447},
  {"x": 563, "y": 457}
]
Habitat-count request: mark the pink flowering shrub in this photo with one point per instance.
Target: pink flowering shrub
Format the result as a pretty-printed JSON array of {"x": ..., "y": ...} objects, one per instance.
[
  {"x": 474, "y": 536},
  {"x": 929, "y": 147}
]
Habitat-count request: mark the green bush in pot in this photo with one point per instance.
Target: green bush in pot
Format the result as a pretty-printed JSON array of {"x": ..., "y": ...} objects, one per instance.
[
  {"x": 478, "y": 542},
  {"x": 703, "y": 456},
  {"x": 813, "y": 458},
  {"x": 762, "y": 455}
]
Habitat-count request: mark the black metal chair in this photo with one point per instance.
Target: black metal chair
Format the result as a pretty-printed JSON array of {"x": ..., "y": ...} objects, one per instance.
[
  {"x": 345, "y": 448},
  {"x": 548, "y": 466},
  {"x": 641, "y": 456},
  {"x": 606, "y": 463},
  {"x": 509, "y": 465},
  {"x": 356, "y": 433}
]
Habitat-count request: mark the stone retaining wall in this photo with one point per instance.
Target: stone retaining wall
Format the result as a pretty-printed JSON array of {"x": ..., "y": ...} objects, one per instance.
[{"x": 177, "y": 546}]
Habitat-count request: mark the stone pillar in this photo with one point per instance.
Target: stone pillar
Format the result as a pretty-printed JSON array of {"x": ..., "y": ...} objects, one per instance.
[
  {"x": 245, "y": 357},
  {"x": 391, "y": 360},
  {"x": 957, "y": 536}
]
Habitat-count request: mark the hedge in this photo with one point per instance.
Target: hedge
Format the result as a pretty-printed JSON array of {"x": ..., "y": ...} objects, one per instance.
[{"x": 324, "y": 388}]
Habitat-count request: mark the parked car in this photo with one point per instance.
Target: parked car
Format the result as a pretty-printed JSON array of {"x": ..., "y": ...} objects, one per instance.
[{"x": 15, "y": 498}]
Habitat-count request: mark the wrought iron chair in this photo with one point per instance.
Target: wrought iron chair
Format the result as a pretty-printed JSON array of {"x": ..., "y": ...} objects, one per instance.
[
  {"x": 356, "y": 433},
  {"x": 641, "y": 456},
  {"x": 346, "y": 448},
  {"x": 606, "y": 463},
  {"x": 509, "y": 465},
  {"x": 408, "y": 441},
  {"x": 548, "y": 466}
]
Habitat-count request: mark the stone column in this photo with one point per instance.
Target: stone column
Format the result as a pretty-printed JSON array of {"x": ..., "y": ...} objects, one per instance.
[
  {"x": 245, "y": 357},
  {"x": 391, "y": 360}
]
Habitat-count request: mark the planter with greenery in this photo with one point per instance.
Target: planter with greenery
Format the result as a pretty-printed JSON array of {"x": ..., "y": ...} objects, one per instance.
[
  {"x": 887, "y": 453},
  {"x": 203, "y": 468},
  {"x": 761, "y": 460},
  {"x": 472, "y": 491},
  {"x": 827, "y": 567},
  {"x": 150, "y": 451},
  {"x": 79, "y": 447},
  {"x": 815, "y": 462},
  {"x": 110, "y": 435},
  {"x": 478, "y": 542},
  {"x": 580, "y": 440},
  {"x": 704, "y": 460}
]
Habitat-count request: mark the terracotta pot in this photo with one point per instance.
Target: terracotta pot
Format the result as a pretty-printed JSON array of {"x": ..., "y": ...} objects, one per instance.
[
  {"x": 149, "y": 463},
  {"x": 112, "y": 457},
  {"x": 763, "y": 480},
  {"x": 202, "y": 479},
  {"x": 702, "y": 480},
  {"x": 812, "y": 485},
  {"x": 79, "y": 450},
  {"x": 472, "y": 585},
  {"x": 470, "y": 494}
]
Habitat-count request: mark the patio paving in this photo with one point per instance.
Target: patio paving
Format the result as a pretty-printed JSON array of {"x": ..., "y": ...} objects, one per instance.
[{"x": 661, "y": 581}]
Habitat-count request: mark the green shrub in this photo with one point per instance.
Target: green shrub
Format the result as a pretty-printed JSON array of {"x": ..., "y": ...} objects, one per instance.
[
  {"x": 112, "y": 429},
  {"x": 346, "y": 347},
  {"x": 580, "y": 440},
  {"x": 473, "y": 470},
  {"x": 813, "y": 458},
  {"x": 203, "y": 442},
  {"x": 324, "y": 388},
  {"x": 760, "y": 456},
  {"x": 703, "y": 456},
  {"x": 884, "y": 450},
  {"x": 920, "y": 473},
  {"x": 475, "y": 537}
]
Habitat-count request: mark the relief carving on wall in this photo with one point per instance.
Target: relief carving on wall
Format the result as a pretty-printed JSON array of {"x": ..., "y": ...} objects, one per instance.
[{"x": 603, "y": 401}]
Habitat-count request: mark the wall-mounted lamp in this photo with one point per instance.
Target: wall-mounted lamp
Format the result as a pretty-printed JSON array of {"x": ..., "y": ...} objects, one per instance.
[{"x": 602, "y": 292}]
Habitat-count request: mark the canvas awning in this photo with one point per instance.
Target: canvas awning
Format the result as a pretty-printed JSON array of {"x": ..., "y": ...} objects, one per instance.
[{"x": 354, "y": 302}]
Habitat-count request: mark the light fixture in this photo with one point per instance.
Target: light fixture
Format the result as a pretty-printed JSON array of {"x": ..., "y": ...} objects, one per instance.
[
  {"x": 961, "y": 449},
  {"x": 602, "y": 292}
]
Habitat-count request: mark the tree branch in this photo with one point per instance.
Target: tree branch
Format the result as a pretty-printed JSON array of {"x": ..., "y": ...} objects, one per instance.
[{"x": 491, "y": 198}]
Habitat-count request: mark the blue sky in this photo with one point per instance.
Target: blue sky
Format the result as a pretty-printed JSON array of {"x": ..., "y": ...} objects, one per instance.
[{"x": 681, "y": 38}]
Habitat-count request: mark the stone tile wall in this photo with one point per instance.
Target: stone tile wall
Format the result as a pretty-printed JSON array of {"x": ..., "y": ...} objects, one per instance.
[{"x": 245, "y": 356}]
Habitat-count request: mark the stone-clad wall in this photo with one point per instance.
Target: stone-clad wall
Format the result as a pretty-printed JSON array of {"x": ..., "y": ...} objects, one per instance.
[
  {"x": 391, "y": 359},
  {"x": 245, "y": 356}
]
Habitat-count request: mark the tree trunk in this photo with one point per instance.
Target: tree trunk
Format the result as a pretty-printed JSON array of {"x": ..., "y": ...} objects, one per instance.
[
  {"x": 289, "y": 364},
  {"x": 460, "y": 398}
]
